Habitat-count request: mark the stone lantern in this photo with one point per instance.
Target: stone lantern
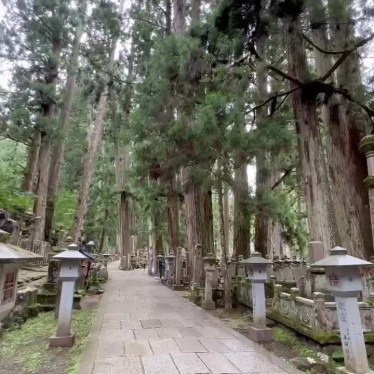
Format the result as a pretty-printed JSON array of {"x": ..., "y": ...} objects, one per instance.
[
  {"x": 344, "y": 282},
  {"x": 91, "y": 246},
  {"x": 209, "y": 267},
  {"x": 257, "y": 274},
  {"x": 69, "y": 273}
]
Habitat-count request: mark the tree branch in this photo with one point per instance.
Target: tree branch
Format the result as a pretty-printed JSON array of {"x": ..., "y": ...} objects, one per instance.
[
  {"x": 345, "y": 55},
  {"x": 287, "y": 172},
  {"x": 318, "y": 48}
]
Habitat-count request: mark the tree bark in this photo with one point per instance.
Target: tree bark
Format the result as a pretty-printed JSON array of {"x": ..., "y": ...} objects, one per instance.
[
  {"x": 262, "y": 233},
  {"x": 224, "y": 259},
  {"x": 94, "y": 143},
  {"x": 179, "y": 24},
  {"x": 347, "y": 125},
  {"x": 44, "y": 162},
  {"x": 309, "y": 137},
  {"x": 31, "y": 170},
  {"x": 104, "y": 231},
  {"x": 173, "y": 217},
  {"x": 59, "y": 146}
]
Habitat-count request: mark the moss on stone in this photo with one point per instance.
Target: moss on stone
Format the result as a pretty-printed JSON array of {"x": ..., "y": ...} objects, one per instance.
[
  {"x": 367, "y": 144},
  {"x": 369, "y": 182}
]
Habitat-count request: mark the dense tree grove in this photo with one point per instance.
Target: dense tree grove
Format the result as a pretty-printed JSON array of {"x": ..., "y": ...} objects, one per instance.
[{"x": 231, "y": 124}]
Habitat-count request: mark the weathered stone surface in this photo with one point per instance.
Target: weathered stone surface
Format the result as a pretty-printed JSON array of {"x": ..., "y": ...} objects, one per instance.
[
  {"x": 163, "y": 346},
  {"x": 190, "y": 345},
  {"x": 188, "y": 363},
  {"x": 236, "y": 345},
  {"x": 160, "y": 364},
  {"x": 137, "y": 348},
  {"x": 168, "y": 333},
  {"x": 171, "y": 323},
  {"x": 215, "y": 332},
  {"x": 150, "y": 323},
  {"x": 145, "y": 334},
  {"x": 251, "y": 362},
  {"x": 189, "y": 332},
  {"x": 218, "y": 363},
  {"x": 118, "y": 365},
  {"x": 214, "y": 345}
]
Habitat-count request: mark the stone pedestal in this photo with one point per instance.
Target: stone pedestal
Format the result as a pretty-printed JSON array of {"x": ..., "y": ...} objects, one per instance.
[
  {"x": 342, "y": 272},
  {"x": 69, "y": 273}
]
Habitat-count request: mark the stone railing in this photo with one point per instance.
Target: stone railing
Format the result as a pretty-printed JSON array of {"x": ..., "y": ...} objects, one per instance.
[
  {"x": 40, "y": 247},
  {"x": 314, "y": 318}
]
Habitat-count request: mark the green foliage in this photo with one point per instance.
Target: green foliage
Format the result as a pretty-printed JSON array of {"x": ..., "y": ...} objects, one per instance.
[
  {"x": 65, "y": 209},
  {"x": 12, "y": 163}
]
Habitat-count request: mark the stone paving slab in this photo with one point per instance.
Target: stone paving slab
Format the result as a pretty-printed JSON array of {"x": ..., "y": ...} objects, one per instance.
[{"x": 144, "y": 327}]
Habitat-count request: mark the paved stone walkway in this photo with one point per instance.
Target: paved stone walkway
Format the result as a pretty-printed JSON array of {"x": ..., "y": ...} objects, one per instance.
[{"x": 144, "y": 327}]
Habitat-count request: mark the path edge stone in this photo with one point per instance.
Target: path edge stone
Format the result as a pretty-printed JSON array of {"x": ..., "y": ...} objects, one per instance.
[{"x": 87, "y": 360}]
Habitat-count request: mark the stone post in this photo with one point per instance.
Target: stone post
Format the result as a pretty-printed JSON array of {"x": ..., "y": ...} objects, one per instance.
[
  {"x": 342, "y": 272},
  {"x": 209, "y": 267},
  {"x": 178, "y": 284},
  {"x": 69, "y": 273},
  {"x": 257, "y": 274},
  {"x": 170, "y": 267},
  {"x": 197, "y": 265},
  {"x": 316, "y": 251}
]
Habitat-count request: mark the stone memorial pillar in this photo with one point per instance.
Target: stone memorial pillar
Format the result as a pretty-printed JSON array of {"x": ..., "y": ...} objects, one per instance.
[
  {"x": 198, "y": 266},
  {"x": 344, "y": 281},
  {"x": 178, "y": 283},
  {"x": 257, "y": 274},
  {"x": 69, "y": 273},
  {"x": 316, "y": 251},
  {"x": 210, "y": 268},
  {"x": 170, "y": 267}
]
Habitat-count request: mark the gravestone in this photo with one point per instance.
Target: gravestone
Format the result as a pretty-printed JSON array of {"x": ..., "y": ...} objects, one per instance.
[{"x": 210, "y": 268}]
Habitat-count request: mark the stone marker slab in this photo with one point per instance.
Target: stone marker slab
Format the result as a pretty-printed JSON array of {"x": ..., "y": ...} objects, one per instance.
[
  {"x": 160, "y": 364},
  {"x": 188, "y": 363},
  {"x": 119, "y": 365},
  {"x": 218, "y": 363},
  {"x": 190, "y": 345},
  {"x": 137, "y": 348}
]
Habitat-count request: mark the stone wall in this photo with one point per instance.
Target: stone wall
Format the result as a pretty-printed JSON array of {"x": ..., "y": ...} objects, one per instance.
[{"x": 314, "y": 318}]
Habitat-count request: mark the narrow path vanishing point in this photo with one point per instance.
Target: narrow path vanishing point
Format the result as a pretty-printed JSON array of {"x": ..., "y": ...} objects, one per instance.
[{"x": 144, "y": 327}]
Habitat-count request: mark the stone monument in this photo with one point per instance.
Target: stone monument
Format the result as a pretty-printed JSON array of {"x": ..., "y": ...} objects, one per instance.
[{"x": 210, "y": 268}]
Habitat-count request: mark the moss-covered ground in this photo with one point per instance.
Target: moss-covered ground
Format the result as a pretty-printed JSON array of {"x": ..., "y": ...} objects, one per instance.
[{"x": 26, "y": 351}]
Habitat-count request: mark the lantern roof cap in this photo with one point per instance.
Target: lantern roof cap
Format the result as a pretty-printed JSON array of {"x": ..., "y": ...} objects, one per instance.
[
  {"x": 338, "y": 258},
  {"x": 71, "y": 253},
  {"x": 256, "y": 258}
]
